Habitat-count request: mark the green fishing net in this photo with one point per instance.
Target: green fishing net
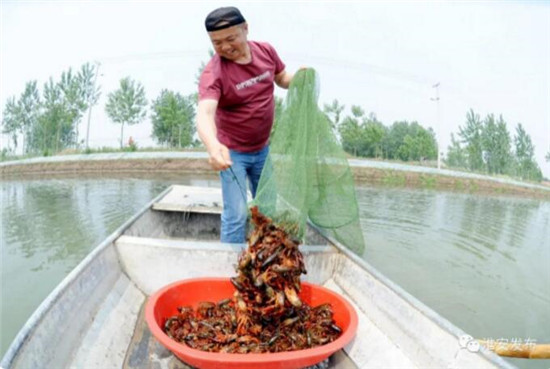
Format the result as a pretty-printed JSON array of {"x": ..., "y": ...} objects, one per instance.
[{"x": 306, "y": 174}]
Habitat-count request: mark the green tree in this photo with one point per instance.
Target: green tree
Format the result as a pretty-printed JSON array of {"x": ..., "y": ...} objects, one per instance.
[
  {"x": 548, "y": 156},
  {"x": 526, "y": 166},
  {"x": 425, "y": 145},
  {"x": 56, "y": 122},
  {"x": 53, "y": 131},
  {"x": 127, "y": 105},
  {"x": 373, "y": 134},
  {"x": 90, "y": 93},
  {"x": 357, "y": 111},
  {"x": 428, "y": 144},
  {"x": 334, "y": 113},
  {"x": 471, "y": 137},
  {"x": 394, "y": 139},
  {"x": 30, "y": 106},
  {"x": 496, "y": 145},
  {"x": 11, "y": 120},
  {"x": 490, "y": 144},
  {"x": 74, "y": 100},
  {"x": 360, "y": 135},
  {"x": 351, "y": 135},
  {"x": 418, "y": 144},
  {"x": 351, "y": 132},
  {"x": 173, "y": 119},
  {"x": 62, "y": 107},
  {"x": 456, "y": 155},
  {"x": 503, "y": 152},
  {"x": 409, "y": 143}
]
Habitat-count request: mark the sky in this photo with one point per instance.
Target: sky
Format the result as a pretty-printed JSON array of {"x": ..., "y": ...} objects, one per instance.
[{"x": 492, "y": 57}]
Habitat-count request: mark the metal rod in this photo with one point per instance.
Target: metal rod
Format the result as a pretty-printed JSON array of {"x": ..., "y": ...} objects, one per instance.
[{"x": 242, "y": 188}]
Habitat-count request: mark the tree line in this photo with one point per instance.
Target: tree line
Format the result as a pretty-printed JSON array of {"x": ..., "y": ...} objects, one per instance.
[
  {"x": 485, "y": 145},
  {"x": 48, "y": 123},
  {"x": 364, "y": 135}
]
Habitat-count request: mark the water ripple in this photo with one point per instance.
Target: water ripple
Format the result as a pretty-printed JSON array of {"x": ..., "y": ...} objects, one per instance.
[{"x": 476, "y": 260}]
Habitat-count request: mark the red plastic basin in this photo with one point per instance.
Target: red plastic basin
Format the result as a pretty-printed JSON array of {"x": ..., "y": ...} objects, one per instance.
[{"x": 164, "y": 303}]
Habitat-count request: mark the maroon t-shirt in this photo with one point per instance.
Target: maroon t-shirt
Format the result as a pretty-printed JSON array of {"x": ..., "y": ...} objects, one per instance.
[{"x": 245, "y": 96}]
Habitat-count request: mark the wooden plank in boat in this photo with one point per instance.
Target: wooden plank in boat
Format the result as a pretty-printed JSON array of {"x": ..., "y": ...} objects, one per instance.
[
  {"x": 145, "y": 352},
  {"x": 191, "y": 199}
]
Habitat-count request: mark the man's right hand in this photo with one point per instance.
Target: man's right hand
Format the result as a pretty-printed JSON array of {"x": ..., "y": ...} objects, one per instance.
[{"x": 219, "y": 158}]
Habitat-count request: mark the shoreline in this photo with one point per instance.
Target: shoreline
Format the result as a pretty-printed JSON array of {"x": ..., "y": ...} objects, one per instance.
[{"x": 364, "y": 171}]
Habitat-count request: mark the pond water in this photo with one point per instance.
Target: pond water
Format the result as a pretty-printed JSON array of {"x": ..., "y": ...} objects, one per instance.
[{"x": 481, "y": 262}]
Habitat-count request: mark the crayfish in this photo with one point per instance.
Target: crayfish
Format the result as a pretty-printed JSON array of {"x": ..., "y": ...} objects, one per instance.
[{"x": 265, "y": 313}]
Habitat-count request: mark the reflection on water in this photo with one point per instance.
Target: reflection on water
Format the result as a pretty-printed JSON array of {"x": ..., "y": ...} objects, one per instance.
[{"x": 481, "y": 262}]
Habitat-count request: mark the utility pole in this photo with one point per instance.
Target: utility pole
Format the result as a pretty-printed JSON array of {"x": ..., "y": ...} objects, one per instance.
[
  {"x": 90, "y": 107},
  {"x": 436, "y": 99}
]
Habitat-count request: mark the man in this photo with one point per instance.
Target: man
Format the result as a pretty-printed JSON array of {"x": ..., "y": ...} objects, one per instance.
[{"x": 236, "y": 110}]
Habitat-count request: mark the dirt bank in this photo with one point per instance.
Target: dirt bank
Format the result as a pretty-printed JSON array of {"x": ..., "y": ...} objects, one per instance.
[
  {"x": 362, "y": 174},
  {"x": 399, "y": 178},
  {"x": 107, "y": 166}
]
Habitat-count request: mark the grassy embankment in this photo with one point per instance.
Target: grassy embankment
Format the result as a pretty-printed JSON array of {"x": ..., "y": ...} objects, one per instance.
[{"x": 363, "y": 175}]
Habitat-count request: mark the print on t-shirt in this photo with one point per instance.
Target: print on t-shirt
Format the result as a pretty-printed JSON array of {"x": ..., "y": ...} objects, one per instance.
[{"x": 252, "y": 81}]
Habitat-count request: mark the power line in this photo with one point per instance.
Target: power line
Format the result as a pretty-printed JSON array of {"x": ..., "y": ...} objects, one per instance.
[
  {"x": 411, "y": 77},
  {"x": 152, "y": 55},
  {"x": 376, "y": 69}
]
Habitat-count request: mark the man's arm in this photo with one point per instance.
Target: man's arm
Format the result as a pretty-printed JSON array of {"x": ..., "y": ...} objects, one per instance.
[
  {"x": 206, "y": 128},
  {"x": 283, "y": 79}
]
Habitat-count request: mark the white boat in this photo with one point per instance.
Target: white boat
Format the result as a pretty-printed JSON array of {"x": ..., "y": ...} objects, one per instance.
[{"x": 94, "y": 318}]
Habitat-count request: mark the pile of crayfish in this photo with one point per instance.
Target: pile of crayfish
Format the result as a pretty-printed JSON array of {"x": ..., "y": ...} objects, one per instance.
[{"x": 265, "y": 313}]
